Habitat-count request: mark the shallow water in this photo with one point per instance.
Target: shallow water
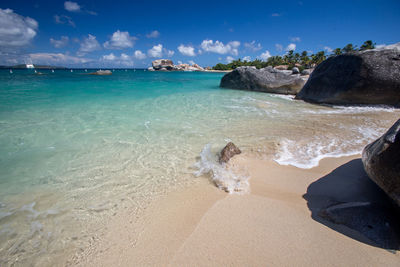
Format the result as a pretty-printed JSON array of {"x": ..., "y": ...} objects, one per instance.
[{"x": 75, "y": 149}]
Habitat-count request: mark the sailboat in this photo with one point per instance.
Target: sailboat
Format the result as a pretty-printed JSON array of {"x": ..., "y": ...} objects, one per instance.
[
  {"x": 72, "y": 71},
  {"x": 52, "y": 71},
  {"x": 11, "y": 71}
]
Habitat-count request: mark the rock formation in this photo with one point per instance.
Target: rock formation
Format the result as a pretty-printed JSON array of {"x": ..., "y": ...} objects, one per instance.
[
  {"x": 368, "y": 77},
  {"x": 228, "y": 152},
  {"x": 381, "y": 161},
  {"x": 267, "y": 80},
  {"x": 101, "y": 72},
  {"x": 158, "y": 64},
  {"x": 168, "y": 65}
]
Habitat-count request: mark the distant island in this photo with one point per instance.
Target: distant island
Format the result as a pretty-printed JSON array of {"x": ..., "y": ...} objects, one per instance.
[
  {"x": 290, "y": 60},
  {"x": 31, "y": 66}
]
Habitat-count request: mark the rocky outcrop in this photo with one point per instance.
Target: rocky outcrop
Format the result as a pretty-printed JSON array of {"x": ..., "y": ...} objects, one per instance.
[
  {"x": 295, "y": 70},
  {"x": 228, "y": 152},
  {"x": 281, "y": 67},
  {"x": 381, "y": 161},
  {"x": 267, "y": 80},
  {"x": 168, "y": 65},
  {"x": 158, "y": 64},
  {"x": 368, "y": 77},
  {"x": 101, "y": 72}
]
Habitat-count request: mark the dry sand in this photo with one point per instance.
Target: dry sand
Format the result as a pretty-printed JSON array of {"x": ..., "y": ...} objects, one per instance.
[{"x": 272, "y": 225}]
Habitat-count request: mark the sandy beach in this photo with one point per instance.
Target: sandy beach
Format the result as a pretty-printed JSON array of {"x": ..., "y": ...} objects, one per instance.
[{"x": 274, "y": 224}]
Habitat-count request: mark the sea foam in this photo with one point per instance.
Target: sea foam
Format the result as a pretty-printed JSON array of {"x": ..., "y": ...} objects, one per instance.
[{"x": 223, "y": 177}]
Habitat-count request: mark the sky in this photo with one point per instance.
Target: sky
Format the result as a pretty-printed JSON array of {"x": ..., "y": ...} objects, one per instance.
[{"x": 130, "y": 34}]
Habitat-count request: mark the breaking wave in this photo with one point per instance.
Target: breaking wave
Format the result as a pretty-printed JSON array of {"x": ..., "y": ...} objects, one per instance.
[{"x": 221, "y": 175}]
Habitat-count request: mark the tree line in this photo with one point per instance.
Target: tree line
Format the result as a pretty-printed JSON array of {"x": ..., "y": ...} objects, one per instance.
[{"x": 291, "y": 59}]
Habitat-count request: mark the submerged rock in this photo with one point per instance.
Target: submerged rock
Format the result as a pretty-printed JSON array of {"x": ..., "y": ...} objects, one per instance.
[
  {"x": 381, "y": 161},
  {"x": 267, "y": 80},
  {"x": 368, "y": 77},
  {"x": 228, "y": 152}
]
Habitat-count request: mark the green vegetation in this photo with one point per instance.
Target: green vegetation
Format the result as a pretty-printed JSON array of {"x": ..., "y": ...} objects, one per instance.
[{"x": 291, "y": 59}]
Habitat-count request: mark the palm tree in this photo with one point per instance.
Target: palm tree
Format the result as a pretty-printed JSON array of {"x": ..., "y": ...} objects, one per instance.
[
  {"x": 337, "y": 51},
  {"x": 349, "y": 48},
  {"x": 367, "y": 45}
]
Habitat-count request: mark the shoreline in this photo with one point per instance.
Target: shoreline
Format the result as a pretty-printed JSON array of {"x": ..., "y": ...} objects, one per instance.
[{"x": 204, "y": 226}]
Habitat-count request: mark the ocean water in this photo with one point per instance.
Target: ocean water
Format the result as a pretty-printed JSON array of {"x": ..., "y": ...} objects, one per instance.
[{"x": 76, "y": 149}]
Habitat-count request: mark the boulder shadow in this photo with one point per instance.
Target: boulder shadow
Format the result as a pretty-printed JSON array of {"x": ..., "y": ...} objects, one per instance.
[{"x": 347, "y": 201}]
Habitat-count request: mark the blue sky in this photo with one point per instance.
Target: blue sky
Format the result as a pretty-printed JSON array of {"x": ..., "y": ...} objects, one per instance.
[{"x": 133, "y": 33}]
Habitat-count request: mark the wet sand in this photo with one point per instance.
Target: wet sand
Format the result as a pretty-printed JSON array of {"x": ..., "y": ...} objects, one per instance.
[{"x": 274, "y": 224}]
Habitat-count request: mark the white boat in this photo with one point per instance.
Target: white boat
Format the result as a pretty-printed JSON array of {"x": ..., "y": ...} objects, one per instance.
[
  {"x": 85, "y": 70},
  {"x": 52, "y": 71},
  {"x": 72, "y": 71},
  {"x": 11, "y": 71},
  {"x": 35, "y": 71}
]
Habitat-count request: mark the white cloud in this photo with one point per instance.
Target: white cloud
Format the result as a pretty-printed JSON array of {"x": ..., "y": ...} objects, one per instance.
[
  {"x": 247, "y": 58},
  {"x": 139, "y": 55},
  {"x": 220, "y": 48},
  {"x": 64, "y": 20},
  {"x": 122, "y": 60},
  {"x": 328, "y": 49},
  {"x": 16, "y": 30},
  {"x": 275, "y": 15},
  {"x": 89, "y": 44},
  {"x": 291, "y": 47},
  {"x": 295, "y": 39},
  {"x": 186, "y": 50},
  {"x": 158, "y": 51},
  {"x": 279, "y": 47},
  {"x": 109, "y": 57},
  {"x": 179, "y": 62},
  {"x": 229, "y": 59},
  {"x": 252, "y": 46},
  {"x": 59, "y": 43},
  {"x": 56, "y": 59},
  {"x": 120, "y": 40},
  {"x": 153, "y": 34},
  {"x": 72, "y": 6},
  {"x": 264, "y": 56},
  {"x": 169, "y": 53},
  {"x": 191, "y": 62},
  {"x": 155, "y": 51}
]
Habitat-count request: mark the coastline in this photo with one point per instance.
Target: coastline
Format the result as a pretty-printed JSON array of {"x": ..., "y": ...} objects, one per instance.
[{"x": 203, "y": 226}]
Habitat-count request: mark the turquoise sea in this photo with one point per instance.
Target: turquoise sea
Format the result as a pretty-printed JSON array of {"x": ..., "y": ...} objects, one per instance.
[{"x": 77, "y": 149}]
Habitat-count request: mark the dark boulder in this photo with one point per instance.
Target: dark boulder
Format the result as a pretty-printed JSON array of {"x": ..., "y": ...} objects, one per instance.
[
  {"x": 228, "y": 152},
  {"x": 267, "y": 80},
  {"x": 381, "y": 161},
  {"x": 368, "y": 77}
]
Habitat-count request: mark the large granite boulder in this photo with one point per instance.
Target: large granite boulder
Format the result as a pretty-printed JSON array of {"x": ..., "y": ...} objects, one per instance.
[
  {"x": 381, "y": 161},
  {"x": 267, "y": 80},
  {"x": 167, "y": 64},
  {"x": 368, "y": 77}
]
